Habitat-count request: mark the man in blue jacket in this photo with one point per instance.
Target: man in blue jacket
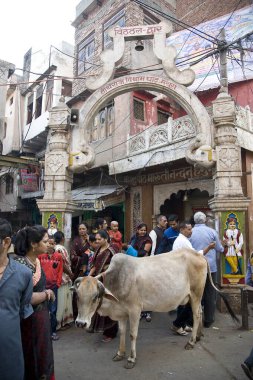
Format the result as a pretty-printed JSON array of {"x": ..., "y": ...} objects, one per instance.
[
  {"x": 169, "y": 235},
  {"x": 16, "y": 289}
]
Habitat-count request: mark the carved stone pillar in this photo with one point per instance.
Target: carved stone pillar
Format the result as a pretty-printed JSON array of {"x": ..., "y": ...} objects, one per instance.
[
  {"x": 229, "y": 203},
  {"x": 56, "y": 206}
]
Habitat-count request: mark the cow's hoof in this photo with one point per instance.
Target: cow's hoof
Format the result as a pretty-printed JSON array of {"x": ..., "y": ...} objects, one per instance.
[
  {"x": 129, "y": 364},
  {"x": 189, "y": 346},
  {"x": 118, "y": 358}
]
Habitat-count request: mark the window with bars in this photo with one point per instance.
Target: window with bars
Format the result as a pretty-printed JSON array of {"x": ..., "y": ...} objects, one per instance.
[
  {"x": 9, "y": 184},
  {"x": 162, "y": 117},
  {"x": 118, "y": 19},
  {"x": 139, "y": 109},
  {"x": 85, "y": 54}
]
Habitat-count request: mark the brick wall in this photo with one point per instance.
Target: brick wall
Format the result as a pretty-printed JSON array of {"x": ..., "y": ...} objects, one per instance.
[
  {"x": 193, "y": 12},
  {"x": 94, "y": 23}
]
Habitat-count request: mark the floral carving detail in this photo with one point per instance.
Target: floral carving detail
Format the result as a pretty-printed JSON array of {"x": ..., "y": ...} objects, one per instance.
[
  {"x": 183, "y": 128},
  {"x": 158, "y": 137},
  {"x": 137, "y": 144}
]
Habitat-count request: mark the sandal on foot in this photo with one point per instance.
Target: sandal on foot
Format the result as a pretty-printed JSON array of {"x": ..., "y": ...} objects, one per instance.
[
  {"x": 179, "y": 330},
  {"x": 106, "y": 339}
]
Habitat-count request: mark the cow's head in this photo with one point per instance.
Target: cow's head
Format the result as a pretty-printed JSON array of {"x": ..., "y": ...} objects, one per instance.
[{"x": 90, "y": 293}]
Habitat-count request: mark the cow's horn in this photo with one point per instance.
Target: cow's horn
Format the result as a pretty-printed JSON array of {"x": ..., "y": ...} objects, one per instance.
[{"x": 101, "y": 289}]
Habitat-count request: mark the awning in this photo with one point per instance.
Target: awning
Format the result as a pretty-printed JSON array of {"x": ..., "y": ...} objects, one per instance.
[{"x": 93, "y": 197}]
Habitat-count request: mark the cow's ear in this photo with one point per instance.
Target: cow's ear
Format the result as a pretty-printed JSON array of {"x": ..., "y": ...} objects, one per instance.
[{"x": 110, "y": 296}]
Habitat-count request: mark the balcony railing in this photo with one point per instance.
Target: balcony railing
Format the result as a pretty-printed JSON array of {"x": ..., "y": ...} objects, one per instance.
[{"x": 160, "y": 135}]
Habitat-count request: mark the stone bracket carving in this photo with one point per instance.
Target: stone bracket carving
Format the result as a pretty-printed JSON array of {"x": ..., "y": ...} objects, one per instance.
[
  {"x": 167, "y": 54},
  {"x": 198, "y": 153},
  {"x": 82, "y": 159}
]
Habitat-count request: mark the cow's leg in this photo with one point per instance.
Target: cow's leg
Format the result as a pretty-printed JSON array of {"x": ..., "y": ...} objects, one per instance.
[
  {"x": 199, "y": 331},
  {"x": 134, "y": 319},
  {"x": 196, "y": 330},
  {"x": 122, "y": 341}
]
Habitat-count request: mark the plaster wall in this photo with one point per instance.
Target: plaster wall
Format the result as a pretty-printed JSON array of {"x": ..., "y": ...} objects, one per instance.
[
  {"x": 13, "y": 119},
  {"x": 9, "y": 202},
  {"x": 5, "y": 67},
  {"x": 240, "y": 91},
  {"x": 42, "y": 59},
  {"x": 37, "y": 126}
]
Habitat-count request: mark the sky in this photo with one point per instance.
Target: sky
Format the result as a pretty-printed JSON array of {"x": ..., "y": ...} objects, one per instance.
[{"x": 33, "y": 23}]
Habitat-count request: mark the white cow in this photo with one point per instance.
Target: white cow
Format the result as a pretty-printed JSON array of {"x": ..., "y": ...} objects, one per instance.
[{"x": 156, "y": 283}]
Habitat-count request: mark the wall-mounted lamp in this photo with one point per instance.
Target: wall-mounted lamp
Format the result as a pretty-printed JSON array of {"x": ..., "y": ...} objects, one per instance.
[{"x": 185, "y": 198}]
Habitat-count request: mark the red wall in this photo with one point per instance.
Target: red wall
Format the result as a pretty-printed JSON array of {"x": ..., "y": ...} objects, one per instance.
[
  {"x": 150, "y": 111},
  {"x": 242, "y": 92}
]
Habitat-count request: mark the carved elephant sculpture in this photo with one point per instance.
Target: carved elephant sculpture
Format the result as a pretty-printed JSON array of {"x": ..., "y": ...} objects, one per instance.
[
  {"x": 80, "y": 161},
  {"x": 200, "y": 154}
]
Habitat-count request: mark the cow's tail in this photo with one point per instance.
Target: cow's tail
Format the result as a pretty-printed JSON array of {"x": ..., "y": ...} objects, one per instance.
[{"x": 223, "y": 296}]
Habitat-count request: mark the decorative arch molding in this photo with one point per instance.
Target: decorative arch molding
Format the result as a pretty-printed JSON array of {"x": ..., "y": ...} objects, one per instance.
[
  {"x": 116, "y": 87},
  {"x": 162, "y": 192},
  {"x": 181, "y": 94}
]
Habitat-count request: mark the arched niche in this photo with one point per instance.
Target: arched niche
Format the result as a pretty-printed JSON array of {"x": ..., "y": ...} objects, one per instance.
[{"x": 163, "y": 192}]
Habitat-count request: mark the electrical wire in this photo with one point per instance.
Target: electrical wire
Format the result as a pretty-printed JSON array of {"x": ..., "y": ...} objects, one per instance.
[
  {"x": 181, "y": 23},
  {"x": 75, "y": 58},
  {"x": 205, "y": 76},
  {"x": 229, "y": 18}
]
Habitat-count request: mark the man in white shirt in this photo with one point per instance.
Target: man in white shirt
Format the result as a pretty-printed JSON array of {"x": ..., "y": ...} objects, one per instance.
[
  {"x": 184, "y": 313},
  {"x": 182, "y": 241}
]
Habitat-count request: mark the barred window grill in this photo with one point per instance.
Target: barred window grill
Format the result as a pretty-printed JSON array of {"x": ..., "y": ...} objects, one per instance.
[
  {"x": 162, "y": 117},
  {"x": 139, "y": 110}
]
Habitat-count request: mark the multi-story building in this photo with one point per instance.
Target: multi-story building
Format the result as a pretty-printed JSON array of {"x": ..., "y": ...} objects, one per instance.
[
  {"x": 27, "y": 101},
  {"x": 140, "y": 137}
]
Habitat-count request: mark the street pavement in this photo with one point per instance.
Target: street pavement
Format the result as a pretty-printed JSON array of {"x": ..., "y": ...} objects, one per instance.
[{"x": 160, "y": 353}]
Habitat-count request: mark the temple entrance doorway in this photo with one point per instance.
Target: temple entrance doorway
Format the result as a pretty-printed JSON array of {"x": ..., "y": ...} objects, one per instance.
[{"x": 185, "y": 203}]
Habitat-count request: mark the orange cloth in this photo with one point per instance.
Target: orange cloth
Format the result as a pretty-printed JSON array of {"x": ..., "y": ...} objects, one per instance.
[
  {"x": 116, "y": 238},
  {"x": 53, "y": 268}
]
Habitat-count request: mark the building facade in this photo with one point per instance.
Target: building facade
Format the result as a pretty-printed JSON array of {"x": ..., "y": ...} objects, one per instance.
[{"x": 26, "y": 102}]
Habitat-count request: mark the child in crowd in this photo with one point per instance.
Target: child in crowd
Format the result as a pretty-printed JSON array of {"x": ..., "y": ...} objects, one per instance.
[
  {"x": 115, "y": 236},
  {"x": 52, "y": 264},
  {"x": 93, "y": 248}
]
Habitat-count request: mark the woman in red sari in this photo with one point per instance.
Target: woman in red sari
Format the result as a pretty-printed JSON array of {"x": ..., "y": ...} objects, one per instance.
[
  {"x": 36, "y": 329},
  {"x": 78, "y": 253},
  {"x": 79, "y": 258},
  {"x": 100, "y": 263}
]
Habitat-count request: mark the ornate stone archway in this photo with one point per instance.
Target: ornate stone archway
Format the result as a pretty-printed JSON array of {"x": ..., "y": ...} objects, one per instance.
[{"x": 178, "y": 92}]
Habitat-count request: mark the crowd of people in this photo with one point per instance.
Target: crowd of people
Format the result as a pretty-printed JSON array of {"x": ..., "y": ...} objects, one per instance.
[{"x": 36, "y": 300}]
